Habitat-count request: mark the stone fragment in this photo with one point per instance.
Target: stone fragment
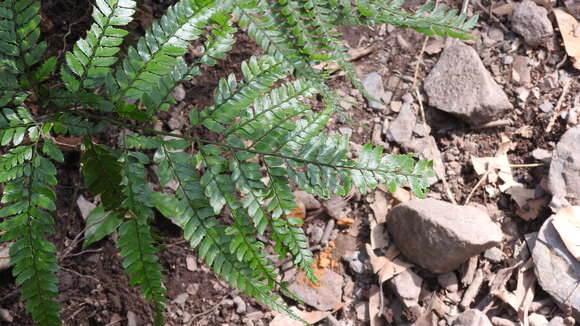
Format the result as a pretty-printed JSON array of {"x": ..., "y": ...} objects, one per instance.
[
  {"x": 494, "y": 255},
  {"x": 131, "y": 318},
  {"x": 179, "y": 93},
  {"x": 310, "y": 202},
  {"x": 324, "y": 295},
  {"x": 531, "y": 22},
  {"x": 407, "y": 287},
  {"x": 557, "y": 270},
  {"x": 564, "y": 175},
  {"x": 546, "y": 107},
  {"x": 401, "y": 129},
  {"x": 354, "y": 262},
  {"x": 573, "y": 7},
  {"x": 5, "y": 255},
  {"x": 373, "y": 84},
  {"x": 443, "y": 235},
  {"x": 448, "y": 281},
  {"x": 522, "y": 70},
  {"x": 542, "y": 155},
  {"x": 557, "y": 321},
  {"x": 240, "y": 305},
  {"x": 537, "y": 320},
  {"x": 362, "y": 311},
  {"x": 460, "y": 84},
  {"x": 472, "y": 317}
]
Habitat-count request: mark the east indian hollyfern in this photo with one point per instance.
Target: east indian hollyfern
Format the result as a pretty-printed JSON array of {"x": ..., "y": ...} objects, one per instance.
[{"x": 264, "y": 140}]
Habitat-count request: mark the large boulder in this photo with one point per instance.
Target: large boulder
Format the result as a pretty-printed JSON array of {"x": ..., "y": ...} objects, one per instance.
[
  {"x": 460, "y": 84},
  {"x": 564, "y": 176},
  {"x": 440, "y": 236}
]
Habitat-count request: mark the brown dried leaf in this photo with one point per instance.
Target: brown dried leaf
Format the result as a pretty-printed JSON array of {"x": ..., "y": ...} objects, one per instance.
[
  {"x": 386, "y": 266},
  {"x": 505, "y": 9},
  {"x": 380, "y": 206},
  {"x": 532, "y": 208},
  {"x": 309, "y": 316},
  {"x": 379, "y": 235},
  {"x": 567, "y": 223},
  {"x": 570, "y": 30}
]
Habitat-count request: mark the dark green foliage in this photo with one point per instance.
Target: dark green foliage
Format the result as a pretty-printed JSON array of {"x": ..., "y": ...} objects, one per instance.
[{"x": 264, "y": 138}]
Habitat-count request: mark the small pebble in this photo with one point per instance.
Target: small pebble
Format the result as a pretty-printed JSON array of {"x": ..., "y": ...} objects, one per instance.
[
  {"x": 494, "y": 255},
  {"x": 240, "y": 305},
  {"x": 546, "y": 107}
]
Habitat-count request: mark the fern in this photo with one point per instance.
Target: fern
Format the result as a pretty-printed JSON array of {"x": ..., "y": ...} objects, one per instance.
[
  {"x": 91, "y": 58},
  {"x": 261, "y": 139}
]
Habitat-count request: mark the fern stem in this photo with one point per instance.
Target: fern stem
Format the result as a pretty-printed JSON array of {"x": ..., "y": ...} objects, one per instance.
[{"x": 236, "y": 148}]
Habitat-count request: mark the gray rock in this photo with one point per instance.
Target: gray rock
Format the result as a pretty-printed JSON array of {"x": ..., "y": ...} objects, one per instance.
[
  {"x": 448, "y": 281},
  {"x": 425, "y": 147},
  {"x": 532, "y": 23},
  {"x": 407, "y": 286},
  {"x": 537, "y": 320},
  {"x": 557, "y": 270},
  {"x": 240, "y": 305},
  {"x": 310, "y": 202},
  {"x": 564, "y": 175},
  {"x": 573, "y": 7},
  {"x": 460, "y": 84},
  {"x": 362, "y": 311},
  {"x": 472, "y": 317},
  {"x": 131, "y": 318},
  {"x": 494, "y": 255},
  {"x": 354, "y": 262},
  {"x": 325, "y": 295},
  {"x": 179, "y": 93},
  {"x": 557, "y": 321},
  {"x": 542, "y": 155},
  {"x": 546, "y": 107},
  {"x": 401, "y": 129},
  {"x": 357, "y": 266},
  {"x": 373, "y": 84},
  {"x": 443, "y": 235},
  {"x": 5, "y": 255}
]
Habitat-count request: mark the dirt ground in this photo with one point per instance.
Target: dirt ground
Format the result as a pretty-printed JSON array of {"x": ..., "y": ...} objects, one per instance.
[{"x": 94, "y": 289}]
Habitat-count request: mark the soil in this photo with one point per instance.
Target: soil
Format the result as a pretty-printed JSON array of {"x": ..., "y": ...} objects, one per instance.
[{"x": 94, "y": 291}]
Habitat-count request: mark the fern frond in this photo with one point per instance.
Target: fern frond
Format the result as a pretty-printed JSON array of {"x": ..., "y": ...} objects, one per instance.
[
  {"x": 157, "y": 52},
  {"x": 20, "y": 32},
  {"x": 273, "y": 110},
  {"x": 27, "y": 199},
  {"x": 427, "y": 19},
  {"x": 259, "y": 21},
  {"x": 91, "y": 59},
  {"x": 192, "y": 211},
  {"x": 136, "y": 241},
  {"x": 215, "y": 48},
  {"x": 102, "y": 174},
  {"x": 15, "y": 125},
  {"x": 286, "y": 233},
  {"x": 232, "y": 97}
]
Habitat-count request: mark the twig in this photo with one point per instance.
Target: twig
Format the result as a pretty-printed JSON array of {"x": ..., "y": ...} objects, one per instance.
[
  {"x": 478, "y": 184},
  {"x": 470, "y": 272},
  {"x": 442, "y": 176},
  {"x": 79, "y": 274},
  {"x": 472, "y": 290},
  {"x": 530, "y": 165},
  {"x": 203, "y": 313},
  {"x": 490, "y": 14},
  {"x": 557, "y": 109},
  {"x": 493, "y": 124}
]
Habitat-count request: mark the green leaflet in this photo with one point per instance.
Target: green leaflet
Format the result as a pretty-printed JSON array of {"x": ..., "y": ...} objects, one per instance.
[
  {"x": 156, "y": 53},
  {"x": 100, "y": 223},
  {"x": 26, "y": 202},
  {"x": 91, "y": 59}
]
